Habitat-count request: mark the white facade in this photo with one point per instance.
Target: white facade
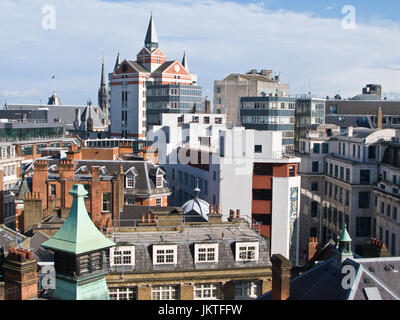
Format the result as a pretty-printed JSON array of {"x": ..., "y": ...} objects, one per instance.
[{"x": 225, "y": 171}]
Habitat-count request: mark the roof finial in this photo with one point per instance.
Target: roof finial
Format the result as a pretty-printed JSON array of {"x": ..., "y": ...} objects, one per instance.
[{"x": 197, "y": 190}]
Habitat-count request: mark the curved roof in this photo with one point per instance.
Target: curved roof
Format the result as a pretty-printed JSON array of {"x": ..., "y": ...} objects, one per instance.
[{"x": 196, "y": 206}]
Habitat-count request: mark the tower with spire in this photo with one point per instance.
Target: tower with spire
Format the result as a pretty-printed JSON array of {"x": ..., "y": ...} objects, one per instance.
[
  {"x": 344, "y": 245},
  {"x": 140, "y": 90},
  {"x": 103, "y": 94}
]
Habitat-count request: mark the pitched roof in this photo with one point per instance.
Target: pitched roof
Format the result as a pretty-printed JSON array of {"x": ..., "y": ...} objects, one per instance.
[
  {"x": 78, "y": 234},
  {"x": 138, "y": 66},
  {"x": 163, "y": 67},
  {"x": 40, "y": 253}
]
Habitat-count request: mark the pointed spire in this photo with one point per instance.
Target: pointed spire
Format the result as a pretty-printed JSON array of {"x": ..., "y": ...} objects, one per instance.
[
  {"x": 117, "y": 62},
  {"x": 345, "y": 243},
  {"x": 184, "y": 61},
  {"x": 151, "y": 40},
  {"x": 103, "y": 78},
  {"x": 197, "y": 189}
]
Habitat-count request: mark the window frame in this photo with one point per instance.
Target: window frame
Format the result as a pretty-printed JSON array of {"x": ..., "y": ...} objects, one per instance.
[
  {"x": 238, "y": 250},
  {"x": 207, "y": 246},
  {"x": 124, "y": 250},
  {"x": 165, "y": 248}
]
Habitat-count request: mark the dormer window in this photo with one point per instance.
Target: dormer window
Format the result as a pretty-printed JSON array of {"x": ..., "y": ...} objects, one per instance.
[
  {"x": 130, "y": 182},
  {"x": 159, "y": 181},
  {"x": 246, "y": 251}
]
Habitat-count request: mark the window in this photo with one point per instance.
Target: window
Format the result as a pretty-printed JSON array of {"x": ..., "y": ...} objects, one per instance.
[
  {"x": 316, "y": 147},
  {"x": 314, "y": 209},
  {"x": 363, "y": 199},
  {"x": 364, "y": 177},
  {"x": 347, "y": 174},
  {"x": 394, "y": 213},
  {"x": 258, "y": 148},
  {"x": 393, "y": 245},
  {"x": 130, "y": 182},
  {"x": 163, "y": 254},
  {"x": 388, "y": 210},
  {"x": 315, "y": 166},
  {"x": 52, "y": 190},
  {"x": 246, "y": 251},
  {"x": 159, "y": 202},
  {"x": 159, "y": 181},
  {"x": 341, "y": 173},
  {"x": 363, "y": 226},
  {"x": 3, "y": 152},
  {"x": 292, "y": 171},
  {"x": 262, "y": 194},
  {"x": 371, "y": 152},
  {"x": 336, "y": 170},
  {"x": 218, "y": 89},
  {"x": 122, "y": 256},
  {"x": 206, "y": 253},
  {"x": 247, "y": 289},
  {"x": 26, "y": 150},
  {"x": 123, "y": 294},
  {"x": 325, "y": 148},
  {"x": 331, "y": 169},
  {"x": 314, "y": 186},
  {"x": 164, "y": 293},
  {"x": 206, "y": 291},
  {"x": 106, "y": 202}
]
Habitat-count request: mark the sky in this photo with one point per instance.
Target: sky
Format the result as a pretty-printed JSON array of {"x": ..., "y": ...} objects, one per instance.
[{"x": 324, "y": 46}]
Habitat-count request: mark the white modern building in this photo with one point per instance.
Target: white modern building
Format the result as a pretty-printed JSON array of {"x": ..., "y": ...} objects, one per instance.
[{"x": 235, "y": 168}]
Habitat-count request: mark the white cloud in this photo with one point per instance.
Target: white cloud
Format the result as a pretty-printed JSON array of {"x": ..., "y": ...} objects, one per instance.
[{"x": 219, "y": 38}]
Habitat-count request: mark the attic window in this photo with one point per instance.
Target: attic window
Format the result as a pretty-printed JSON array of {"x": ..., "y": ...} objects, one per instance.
[
  {"x": 159, "y": 181},
  {"x": 130, "y": 182}
]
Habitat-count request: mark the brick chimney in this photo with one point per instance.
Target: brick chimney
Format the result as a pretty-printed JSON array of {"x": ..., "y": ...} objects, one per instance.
[
  {"x": 214, "y": 216},
  {"x": 33, "y": 212},
  {"x": 281, "y": 268},
  {"x": 20, "y": 275},
  {"x": 312, "y": 248},
  {"x": 95, "y": 173},
  {"x": 375, "y": 249},
  {"x": 73, "y": 153},
  {"x": 66, "y": 169},
  {"x": 380, "y": 115},
  {"x": 40, "y": 175}
]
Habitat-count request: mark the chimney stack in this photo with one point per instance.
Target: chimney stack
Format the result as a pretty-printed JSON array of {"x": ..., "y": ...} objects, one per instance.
[
  {"x": 312, "y": 248},
  {"x": 20, "y": 275},
  {"x": 281, "y": 268},
  {"x": 379, "y": 125}
]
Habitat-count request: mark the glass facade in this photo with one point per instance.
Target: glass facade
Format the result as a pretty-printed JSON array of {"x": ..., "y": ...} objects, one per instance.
[
  {"x": 20, "y": 134},
  {"x": 171, "y": 98}
]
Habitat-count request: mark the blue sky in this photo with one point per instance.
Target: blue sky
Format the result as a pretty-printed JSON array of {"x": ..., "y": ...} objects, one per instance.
[{"x": 304, "y": 41}]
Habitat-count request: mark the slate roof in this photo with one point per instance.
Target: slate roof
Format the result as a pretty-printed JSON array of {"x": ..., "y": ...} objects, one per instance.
[
  {"x": 145, "y": 183},
  {"x": 163, "y": 67},
  {"x": 132, "y": 213},
  {"x": 138, "y": 66},
  {"x": 324, "y": 281},
  {"x": 40, "y": 253},
  {"x": 349, "y": 120},
  {"x": 26, "y": 186},
  {"x": 67, "y": 113},
  {"x": 225, "y": 235}
]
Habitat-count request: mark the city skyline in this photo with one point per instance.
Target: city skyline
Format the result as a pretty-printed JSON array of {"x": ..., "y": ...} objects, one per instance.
[{"x": 307, "y": 45}]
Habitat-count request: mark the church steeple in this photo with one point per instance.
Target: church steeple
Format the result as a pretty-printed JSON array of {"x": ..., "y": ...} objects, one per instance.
[
  {"x": 103, "y": 94},
  {"x": 151, "y": 40}
]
